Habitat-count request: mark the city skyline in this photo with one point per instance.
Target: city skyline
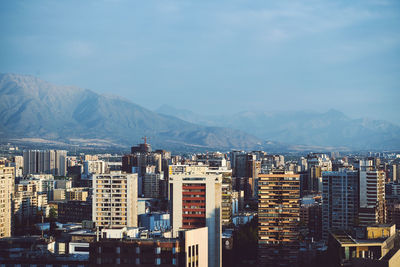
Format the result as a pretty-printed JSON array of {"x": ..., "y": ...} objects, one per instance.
[
  {"x": 240, "y": 208},
  {"x": 315, "y": 55},
  {"x": 200, "y": 133}
]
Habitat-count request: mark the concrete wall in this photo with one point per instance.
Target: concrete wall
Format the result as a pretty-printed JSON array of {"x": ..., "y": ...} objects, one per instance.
[{"x": 193, "y": 238}]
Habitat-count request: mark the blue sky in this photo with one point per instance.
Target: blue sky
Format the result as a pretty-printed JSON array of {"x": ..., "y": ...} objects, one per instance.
[{"x": 214, "y": 57}]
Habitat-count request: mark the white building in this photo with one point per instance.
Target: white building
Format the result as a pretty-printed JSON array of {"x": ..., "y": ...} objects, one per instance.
[
  {"x": 195, "y": 195},
  {"x": 93, "y": 167},
  {"x": 115, "y": 200},
  {"x": 372, "y": 197}
]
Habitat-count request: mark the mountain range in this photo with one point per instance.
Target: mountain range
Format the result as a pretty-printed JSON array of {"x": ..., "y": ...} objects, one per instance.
[
  {"x": 33, "y": 110},
  {"x": 308, "y": 128}
]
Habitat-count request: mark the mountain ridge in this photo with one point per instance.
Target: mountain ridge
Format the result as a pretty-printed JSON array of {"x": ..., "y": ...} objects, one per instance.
[
  {"x": 331, "y": 128},
  {"x": 32, "y": 108}
]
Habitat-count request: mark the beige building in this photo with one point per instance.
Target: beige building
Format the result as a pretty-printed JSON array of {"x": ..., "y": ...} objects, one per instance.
[
  {"x": 58, "y": 194},
  {"x": 94, "y": 167},
  {"x": 27, "y": 201},
  {"x": 6, "y": 194},
  {"x": 115, "y": 200},
  {"x": 77, "y": 193},
  {"x": 91, "y": 157},
  {"x": 195, "y": 194},
  {"x": 196, "y": 247},
  {"x": 377, "y": 248}
]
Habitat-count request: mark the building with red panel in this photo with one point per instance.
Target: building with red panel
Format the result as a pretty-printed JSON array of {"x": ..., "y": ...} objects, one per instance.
[{"x": 195, "y": 194}]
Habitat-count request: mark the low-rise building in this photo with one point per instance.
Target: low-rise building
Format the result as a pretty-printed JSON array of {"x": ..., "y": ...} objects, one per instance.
[
  {"x": 190, "y": 248},
  {"x": 74, "y": 211},
  {"x": 378, "y": 247}
]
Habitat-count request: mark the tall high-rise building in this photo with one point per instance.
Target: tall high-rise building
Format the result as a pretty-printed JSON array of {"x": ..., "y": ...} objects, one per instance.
[
  {"x": 142, "y": 156},
  {"x": 395, "y": 171},
  {"x": 195, "y": 201},
  {"x": 6, "y": 194},
  {"x": 340, "y": 201},
  {"x": 316, "y": 164},
  {"x": 18, "y": 162},
  {"x": 245, "y": 173},
  {"x": 143, "y": 161},
  {"x": 49, "y": 161},
  {"x": 278, "y": 218},
  {"x": 115, "y": 200},
  {"x": 153, "y": 185},
  {"x": 227, "y": 198},
  {"x": 372, "y": 197}
]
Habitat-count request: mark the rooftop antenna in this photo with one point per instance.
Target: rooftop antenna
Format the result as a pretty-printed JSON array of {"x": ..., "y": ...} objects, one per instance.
[{"x": 145, "y": 139}]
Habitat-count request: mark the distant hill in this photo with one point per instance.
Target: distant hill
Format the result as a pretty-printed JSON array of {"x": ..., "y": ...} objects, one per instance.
[
  {"x": 307, "y": 128},
  {"x": 31, "y": 108}
]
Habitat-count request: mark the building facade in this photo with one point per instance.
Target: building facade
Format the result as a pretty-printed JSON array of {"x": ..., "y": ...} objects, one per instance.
[
  {"x": 27, "y": 202},
  {"x": 189, "y": 249},
  {"x": 372, "y": 197},
  {"x": 278, "y": 219},
  {"x": 340, "y": 201},
  {"x": 115, "y": 200},
  {"x": 49, "y": 161},
  {"x": 74, "y": 211},
  {"x": 195, "y": 202},
  {"x": 6, "y": 196}
]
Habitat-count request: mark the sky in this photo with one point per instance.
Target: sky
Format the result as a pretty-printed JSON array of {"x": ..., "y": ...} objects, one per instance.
[{"x": 214, "y": 57}]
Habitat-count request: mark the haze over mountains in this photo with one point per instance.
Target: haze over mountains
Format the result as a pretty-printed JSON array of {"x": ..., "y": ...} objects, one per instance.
[
  {"x": 32, "y": 108},
  {"x": 331, "y": 128}
]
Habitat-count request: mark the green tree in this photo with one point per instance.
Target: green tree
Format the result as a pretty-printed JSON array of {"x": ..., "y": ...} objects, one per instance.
[{"x": 53, "y": 214}]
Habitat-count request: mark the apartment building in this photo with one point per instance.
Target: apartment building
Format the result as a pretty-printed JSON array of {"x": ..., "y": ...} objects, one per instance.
[
  {"x": 115, "y": 200},
  {"x": 6, "y": 194},
  {"x": 278, "y": 218}
]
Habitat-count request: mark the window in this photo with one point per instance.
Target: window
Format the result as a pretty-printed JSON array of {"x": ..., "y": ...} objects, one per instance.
[
  {"x": 82, "y": 249},
  {"x": 158, "y": 261}
]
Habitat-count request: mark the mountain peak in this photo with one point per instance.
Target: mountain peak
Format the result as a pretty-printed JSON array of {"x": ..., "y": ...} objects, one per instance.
[{"x": 34, "y": 108}]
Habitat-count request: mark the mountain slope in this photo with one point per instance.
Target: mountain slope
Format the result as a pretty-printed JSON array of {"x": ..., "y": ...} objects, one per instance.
[
  {"x": 331, "y": 128},
  {"x": 32, "y": 108}
]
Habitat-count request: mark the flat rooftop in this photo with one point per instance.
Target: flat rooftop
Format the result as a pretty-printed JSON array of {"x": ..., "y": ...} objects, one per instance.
[{"x": 347, "y": 240}]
